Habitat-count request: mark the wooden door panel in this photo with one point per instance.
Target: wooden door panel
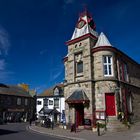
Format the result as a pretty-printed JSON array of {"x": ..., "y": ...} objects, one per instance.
[{"x": 110, "y": 104}]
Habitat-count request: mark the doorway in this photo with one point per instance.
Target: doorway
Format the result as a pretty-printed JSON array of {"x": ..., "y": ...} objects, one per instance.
[
  {"x": 110, "y": 104},
  {"x": 79, "y": 114}
]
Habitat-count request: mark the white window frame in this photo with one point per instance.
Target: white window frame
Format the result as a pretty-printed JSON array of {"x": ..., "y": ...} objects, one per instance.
[
  {"x": 51, "y": 102},
  {"x": 55, "y": 103},
  {"x": 107, "y": 63},
  {"x": 18, "y": 101}
]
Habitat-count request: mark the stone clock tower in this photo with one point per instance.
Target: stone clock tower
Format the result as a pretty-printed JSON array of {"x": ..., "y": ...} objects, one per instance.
[
  {"x": 79, "y": 87},
  {"x": 98, "y": 78}
]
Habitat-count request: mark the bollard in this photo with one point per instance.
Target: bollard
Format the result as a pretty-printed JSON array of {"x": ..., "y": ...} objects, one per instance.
[{"x": 98, "y": 128}]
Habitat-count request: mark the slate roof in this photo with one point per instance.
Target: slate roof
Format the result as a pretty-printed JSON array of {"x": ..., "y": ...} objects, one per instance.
[
  {"x": 13, "y": 90},
  {"x": 49, "y": 111},
  {"x": 49, "y": 92},
  {"x": 78, "y": 96},
  {"x": 102, "y": 41}
]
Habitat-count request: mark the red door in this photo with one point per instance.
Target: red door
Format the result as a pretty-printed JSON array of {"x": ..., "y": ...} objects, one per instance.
[
  {"x": 79, "y": 114},
  {"x": 110, "y": 104}
]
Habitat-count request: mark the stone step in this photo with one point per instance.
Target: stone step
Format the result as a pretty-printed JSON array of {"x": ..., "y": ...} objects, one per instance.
[
  {"x": 113, "y": 124},
  {"x": 116, "y": 129}
]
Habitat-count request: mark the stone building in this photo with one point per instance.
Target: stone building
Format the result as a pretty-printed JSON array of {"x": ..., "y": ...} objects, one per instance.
[
  {"x": 100, "y": 80},
  {"x": 16, "y": 104}
]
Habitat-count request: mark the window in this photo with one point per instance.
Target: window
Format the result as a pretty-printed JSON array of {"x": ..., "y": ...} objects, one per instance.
[
  {"x": 129, "y": 103},
  {"x": 18, "y": 101},
  {"x": 56, "y": 91},
  {"x": 123, "y": 71},
  {"x": 56, "y": 103},
  {"x": 79, "y": 63},
  {"x": 107, "y": 64},
  {"x": 39, "y": 102},
  {"x": 46, "y": 102},
  {"x": 26, "y": 102},
  {"x": 50, "y": 102},
  {"x": 79, "y": 67}
]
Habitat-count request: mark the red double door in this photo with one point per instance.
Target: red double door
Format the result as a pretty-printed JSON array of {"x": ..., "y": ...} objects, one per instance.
[
  {"x": 79, "y": 114},
  {"x": 110, "y": 104}
]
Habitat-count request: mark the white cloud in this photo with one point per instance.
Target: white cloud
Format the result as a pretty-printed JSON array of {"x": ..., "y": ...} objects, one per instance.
[
  {"x": 4, "y": 47},
  {"x": 4, "y": 41},
  {"x": 5, "y": 75},
  {"x": 56, "y": 72},
  {"x": 56, "y": 75}
]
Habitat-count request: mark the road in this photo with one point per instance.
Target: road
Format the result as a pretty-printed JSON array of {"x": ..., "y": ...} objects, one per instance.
[{"x": 18, "y": 131}]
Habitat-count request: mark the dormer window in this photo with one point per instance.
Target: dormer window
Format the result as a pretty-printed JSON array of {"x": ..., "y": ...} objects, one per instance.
[{"x": 56, "y": 91}]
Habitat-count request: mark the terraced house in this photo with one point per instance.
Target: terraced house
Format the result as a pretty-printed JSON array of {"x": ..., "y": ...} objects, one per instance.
[
  {"x": 101, "y": 81},
  {"x": 16, "y": 103}
]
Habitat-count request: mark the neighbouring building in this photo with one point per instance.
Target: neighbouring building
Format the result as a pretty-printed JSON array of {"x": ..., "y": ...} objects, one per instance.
[
  {"x": 51, "y": 104},
  {"x": 100, "y": 80},
  {"x": 16, "y": 104}
]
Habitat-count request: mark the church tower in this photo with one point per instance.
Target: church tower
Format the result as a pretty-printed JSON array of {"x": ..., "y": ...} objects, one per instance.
[{"x": 78, "y": 90}]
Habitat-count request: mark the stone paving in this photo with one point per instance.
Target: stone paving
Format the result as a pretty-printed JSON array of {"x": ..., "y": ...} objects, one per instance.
[{"x": 132, "y": 134}]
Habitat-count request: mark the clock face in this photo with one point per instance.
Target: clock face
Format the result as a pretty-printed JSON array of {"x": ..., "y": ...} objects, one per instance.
[{"x": 80, "y": 24}]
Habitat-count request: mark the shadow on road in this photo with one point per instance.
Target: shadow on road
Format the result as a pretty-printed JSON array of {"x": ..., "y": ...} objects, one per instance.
[{"x": 6, "y": 132}]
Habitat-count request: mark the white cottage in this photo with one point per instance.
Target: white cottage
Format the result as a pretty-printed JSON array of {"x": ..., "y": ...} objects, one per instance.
[{"x": 51, "y": 103}]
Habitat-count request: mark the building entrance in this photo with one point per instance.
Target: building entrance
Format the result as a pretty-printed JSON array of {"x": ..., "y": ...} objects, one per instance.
[
  {"x": 110, "y": 104},
  {"x": 79, "y": 114}
]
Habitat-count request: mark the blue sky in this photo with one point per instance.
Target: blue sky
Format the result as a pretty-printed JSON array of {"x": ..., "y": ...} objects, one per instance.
[{"x": 33, "y": 35}]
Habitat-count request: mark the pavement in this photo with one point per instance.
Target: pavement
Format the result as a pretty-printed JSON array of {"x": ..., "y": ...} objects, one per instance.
[{"x": 132, "y": 134}]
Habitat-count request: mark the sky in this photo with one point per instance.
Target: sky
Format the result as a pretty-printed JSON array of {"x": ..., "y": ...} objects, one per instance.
[{"x": 33, "y": 35}]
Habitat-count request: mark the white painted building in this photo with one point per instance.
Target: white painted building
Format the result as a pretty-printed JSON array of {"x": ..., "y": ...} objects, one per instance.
[{"x": 51, "y": 103}]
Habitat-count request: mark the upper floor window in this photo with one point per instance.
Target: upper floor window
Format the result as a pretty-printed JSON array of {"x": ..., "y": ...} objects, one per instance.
[
  {"x": 108, "y": 65},
  {"x": 46, "y": 102},
  {"x": 79, "y": 63},
  {"x": 56, "y": 91},
  {"x": 123, "y": 70},
  {"x": 50, "y": 102},
  {"x": 79, "y": 67},
  {"x": 39, "y": 102},
  {"x": 56, "y": 103},
  {"x": 18, "y": 101}
]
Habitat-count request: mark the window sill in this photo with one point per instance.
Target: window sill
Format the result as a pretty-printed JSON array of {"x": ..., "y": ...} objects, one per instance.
[{"x": 79, "y": 75}]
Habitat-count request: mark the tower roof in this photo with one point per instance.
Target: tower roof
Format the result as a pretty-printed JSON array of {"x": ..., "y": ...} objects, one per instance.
[
  {"x": 85, "y": 25},
  {"x": 102, "y": 41}
]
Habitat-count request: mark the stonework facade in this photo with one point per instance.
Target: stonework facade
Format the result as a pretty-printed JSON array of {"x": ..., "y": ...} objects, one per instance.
[{"x": 109, "y": 78}]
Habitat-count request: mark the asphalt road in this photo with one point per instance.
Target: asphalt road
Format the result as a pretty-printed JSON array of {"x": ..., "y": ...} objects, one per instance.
[{"x": 18, "y": 131}]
